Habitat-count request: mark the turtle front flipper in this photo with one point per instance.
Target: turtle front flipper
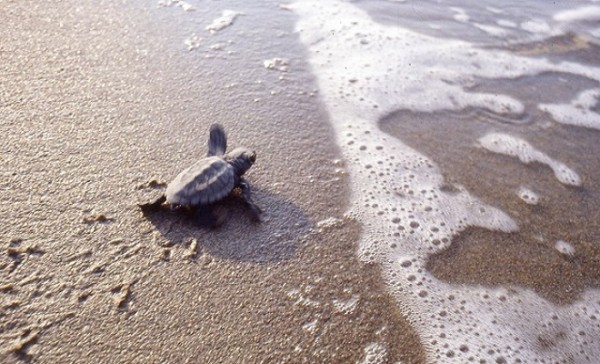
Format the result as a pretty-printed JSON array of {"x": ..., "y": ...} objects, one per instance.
[
  {"x": 217, "y": 141},
  {"x": 210, "y": 216},
  {"x": 153, "y": 206},
  {"x": 254, "y": 209}
]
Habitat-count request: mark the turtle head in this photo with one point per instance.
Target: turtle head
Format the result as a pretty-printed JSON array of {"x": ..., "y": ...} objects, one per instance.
[{"x": 241, "y": 159}]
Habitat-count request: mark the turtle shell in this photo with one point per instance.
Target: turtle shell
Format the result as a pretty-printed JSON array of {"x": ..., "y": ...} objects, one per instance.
[{"x": 207, "y": 181}]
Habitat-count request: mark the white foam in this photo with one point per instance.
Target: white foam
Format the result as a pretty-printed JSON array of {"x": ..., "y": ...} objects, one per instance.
[
  {"x": 528, "y": 196},
  {"x": 375, "y": 353},
  {"x": 186, "y": 6},
  {"x": 222, "y": 22},
  {"x": 165, "y": 3},
  {"x": 301, "y": 299},
  {"x": 588, "y": 13},
  {"x": 277, "y": 63},
  {"x": 192, "y": 42},
  {"x": 516, "y": 147},
  {"x": 494, "y": 10},
  {"x": 179, "y": 3},
  {"x": 328, "y": 223},
  {"x": 491, "y": 30},
  {"x": 564, "y": 248},
  {"x": 460, "y": 15},
  {"x": 368, "y": 70},
  {"x": 579, "y": 112},
  {"x": 537, "y": 26},
  {"x": 216, "y": 47},
  {"x": 347, "y": 306},
  {"x": 506, "y": 23},
  {"x": 311, "y": 326}
]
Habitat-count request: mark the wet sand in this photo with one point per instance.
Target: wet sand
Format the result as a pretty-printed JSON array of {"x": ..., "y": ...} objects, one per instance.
[{"x": 100, "y": 98}]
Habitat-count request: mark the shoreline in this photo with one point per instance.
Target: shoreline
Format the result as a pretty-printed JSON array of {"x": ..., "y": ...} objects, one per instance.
[{"x": 418, "y": 223}]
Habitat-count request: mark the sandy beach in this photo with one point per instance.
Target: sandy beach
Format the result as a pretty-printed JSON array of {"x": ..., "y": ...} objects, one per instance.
[{"x": 98, "y": 99}]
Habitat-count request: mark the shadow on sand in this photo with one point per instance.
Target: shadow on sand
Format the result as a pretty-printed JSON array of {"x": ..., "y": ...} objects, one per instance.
[{"x": 275, "y": 238}]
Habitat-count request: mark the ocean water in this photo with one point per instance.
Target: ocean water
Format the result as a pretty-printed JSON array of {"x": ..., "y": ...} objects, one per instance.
[
  {"x": 450, "y": 116},
  {"x": 470, "y": 134}
]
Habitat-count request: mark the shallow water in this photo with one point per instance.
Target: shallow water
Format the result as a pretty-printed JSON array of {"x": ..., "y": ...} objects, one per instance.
[{"x": 488, "y": 22}]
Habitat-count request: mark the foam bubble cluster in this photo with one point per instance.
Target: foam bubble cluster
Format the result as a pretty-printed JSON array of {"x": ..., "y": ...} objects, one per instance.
[
  {"x": 346, "y": 306},
  {"x": 564, "y": 248},
  {"x": 222, "y": 22},
  {"x": 375, "y": 353},
  {"x": 280, "y": 64},
  {"x": 516, "y": 147},
  {"x": 192, "y": 42},
  {"x": 528, "y": 196},
  {"x": 579, "y": 112},
  {"x": 368, "y": 70},
  {"x": 179, "y": 3}
]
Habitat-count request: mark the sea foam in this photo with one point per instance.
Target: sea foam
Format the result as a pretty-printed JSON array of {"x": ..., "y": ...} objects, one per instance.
[
  {"x": 516, "y": 147},
  {"x": 579, "y": 112},
  {"x": 226, "y": 19},
  {"x": 367, "y": 70}
]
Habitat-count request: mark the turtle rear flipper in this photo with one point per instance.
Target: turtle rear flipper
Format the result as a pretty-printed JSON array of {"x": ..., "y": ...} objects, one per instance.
[{"x": 217, "y": 142}]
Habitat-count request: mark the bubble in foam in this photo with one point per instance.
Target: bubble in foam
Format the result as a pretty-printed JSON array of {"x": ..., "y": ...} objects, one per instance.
[
  {"x": 192, "y": 42},
  {"x": 516, "y": 147},
  {"x": 564, "y": 248},
  {"x": 528, "y": 196},
  {"x": 579, "y": 112},
  {"x": 311, "y": 326},
  {"x": 280, "y": 64},
  {"x": 328, "y": 223},
  {"x": 346, "y": 306}
]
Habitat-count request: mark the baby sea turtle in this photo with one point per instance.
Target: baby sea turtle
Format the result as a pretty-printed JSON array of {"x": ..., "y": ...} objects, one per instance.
[{"x": 211, "y": 179}]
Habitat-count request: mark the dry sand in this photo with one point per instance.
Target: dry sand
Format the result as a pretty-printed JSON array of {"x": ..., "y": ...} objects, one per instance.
[{"x": 97, "y": 98}]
